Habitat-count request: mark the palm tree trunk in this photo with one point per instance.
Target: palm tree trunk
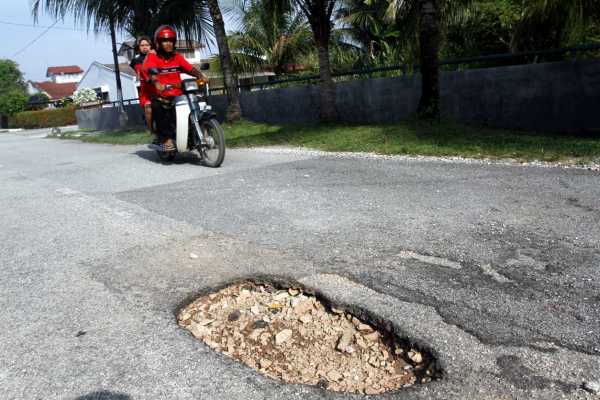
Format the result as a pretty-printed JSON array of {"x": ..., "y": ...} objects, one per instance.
[
  {"x": 429, "y": 40},
  {"x": 116, "y": 65},
  {"x": 234, "y": 111},
  {"x": 327, "y": 86}
]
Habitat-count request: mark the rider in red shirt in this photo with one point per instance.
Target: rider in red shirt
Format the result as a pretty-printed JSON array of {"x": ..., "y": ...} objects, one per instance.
[{"x": 164, "y": 69}]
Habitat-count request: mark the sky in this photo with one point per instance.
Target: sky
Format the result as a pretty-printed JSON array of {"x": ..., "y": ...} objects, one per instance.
[{"x": 64, "y": 44}]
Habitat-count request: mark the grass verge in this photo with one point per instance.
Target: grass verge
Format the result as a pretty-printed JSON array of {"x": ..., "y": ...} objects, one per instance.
[
  {"x": 410, "y": 137},
  {"x": 109, "y": 137}
]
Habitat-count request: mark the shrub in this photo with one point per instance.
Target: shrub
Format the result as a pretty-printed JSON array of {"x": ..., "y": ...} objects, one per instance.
[
  {"x": 37, "y": 101},
  {"x": 85, "y": 95},
  {"x": 12, "y": 102},
  {"x": 47, "y": 118}
]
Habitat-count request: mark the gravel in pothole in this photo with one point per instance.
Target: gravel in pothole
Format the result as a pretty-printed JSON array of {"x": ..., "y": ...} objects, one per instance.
[{"x": 293, "y": 337}]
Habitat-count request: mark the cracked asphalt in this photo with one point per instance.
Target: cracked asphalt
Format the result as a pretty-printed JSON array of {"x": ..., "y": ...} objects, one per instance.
[{"x": 493, "y": 268}]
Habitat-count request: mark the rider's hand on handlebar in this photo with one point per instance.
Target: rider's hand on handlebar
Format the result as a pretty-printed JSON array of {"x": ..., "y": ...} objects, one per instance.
[{"x": 162, "y": 87}]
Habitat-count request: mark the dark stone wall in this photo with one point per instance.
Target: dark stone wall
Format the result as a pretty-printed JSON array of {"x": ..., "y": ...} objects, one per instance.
[
  {"x": 105, "y": 119},
  {"x": 562, "y": 97},
  {"x": 547, "y": 97}
]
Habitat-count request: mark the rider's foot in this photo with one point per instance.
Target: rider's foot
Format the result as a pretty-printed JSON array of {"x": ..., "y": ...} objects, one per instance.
[{"x": 168, "y": 145}]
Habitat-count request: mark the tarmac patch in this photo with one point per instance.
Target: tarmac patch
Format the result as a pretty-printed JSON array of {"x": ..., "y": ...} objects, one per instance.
[{"x": 441, "y": 262}]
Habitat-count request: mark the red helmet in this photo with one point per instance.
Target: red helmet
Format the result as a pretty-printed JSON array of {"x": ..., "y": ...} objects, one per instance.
[{"x": 164, "y": 32}]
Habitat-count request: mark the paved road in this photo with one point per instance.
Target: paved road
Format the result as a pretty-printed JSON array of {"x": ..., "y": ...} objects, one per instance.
[{"x": 495, "y": 269}]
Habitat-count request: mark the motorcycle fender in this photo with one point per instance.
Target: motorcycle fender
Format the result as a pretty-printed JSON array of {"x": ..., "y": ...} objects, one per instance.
[
  {"x": 206, "y": 115},
  {"x": 182, "y": 109}
]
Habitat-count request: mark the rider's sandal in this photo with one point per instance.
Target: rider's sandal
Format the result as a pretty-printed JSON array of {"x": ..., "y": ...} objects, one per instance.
[{"x": 168, "y": 147}]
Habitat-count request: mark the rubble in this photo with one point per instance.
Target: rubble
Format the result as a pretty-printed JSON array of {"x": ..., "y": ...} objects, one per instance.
[
  {"x": 290, "y": 336},
  {"x": 283, "y": 336}
]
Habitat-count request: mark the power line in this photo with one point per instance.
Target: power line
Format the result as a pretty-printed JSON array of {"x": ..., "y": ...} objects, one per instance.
[
  {"x": 35, "y": 40},
  {"x": 40, "y": 26}
]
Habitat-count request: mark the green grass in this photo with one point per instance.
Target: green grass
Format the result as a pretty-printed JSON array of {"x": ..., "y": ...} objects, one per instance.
[
  {"x": 109, "y": 137},
  {"x": 410, "y": 137}
]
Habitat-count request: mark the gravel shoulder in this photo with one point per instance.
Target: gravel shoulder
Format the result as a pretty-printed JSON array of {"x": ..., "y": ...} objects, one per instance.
[{"x": 568, "y": 164}]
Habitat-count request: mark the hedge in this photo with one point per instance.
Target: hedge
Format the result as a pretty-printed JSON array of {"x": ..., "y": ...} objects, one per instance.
[{"x": 47, "y": 118}]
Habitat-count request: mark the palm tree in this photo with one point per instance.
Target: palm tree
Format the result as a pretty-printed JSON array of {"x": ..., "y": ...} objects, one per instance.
[
  {"x": 553, "y": 23},
  {"x": 486, "y": 27},
  {"x": 429, "y": 40},
  {"x": 234, "y": 110},
  {"x": 319, "y": 13},
  {"x": 273, "y": 35},
  {"x": 430, "y": 17},
  {"x": 136, "y": 17},
  {"x": 377, "y": 38}
]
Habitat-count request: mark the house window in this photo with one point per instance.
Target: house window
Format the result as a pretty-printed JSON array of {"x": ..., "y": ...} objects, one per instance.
[{"x": 102, "y": 95}]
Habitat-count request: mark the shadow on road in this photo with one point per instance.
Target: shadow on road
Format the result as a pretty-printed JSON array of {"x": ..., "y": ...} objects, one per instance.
[
  {"x": 150, "y": 155},
  {"x": 104, "y": 395}
]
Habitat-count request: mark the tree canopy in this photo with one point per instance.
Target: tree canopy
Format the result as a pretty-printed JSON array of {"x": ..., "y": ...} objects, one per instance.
[
  {"x": 10, "y": 76},
  {"x": 12, "y": 88},
  {"x": 273, "y": 35}
]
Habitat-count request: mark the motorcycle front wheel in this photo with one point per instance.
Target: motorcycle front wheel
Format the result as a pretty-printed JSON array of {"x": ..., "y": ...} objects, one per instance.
[{"x": 212, "y": 152}]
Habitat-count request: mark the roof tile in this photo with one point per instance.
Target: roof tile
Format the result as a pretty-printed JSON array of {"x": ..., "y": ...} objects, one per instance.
[{"x": 56, "y": 90}]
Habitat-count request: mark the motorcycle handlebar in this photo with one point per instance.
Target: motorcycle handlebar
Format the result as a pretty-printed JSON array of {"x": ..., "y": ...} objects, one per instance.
[{"x": 179, "y": 85}]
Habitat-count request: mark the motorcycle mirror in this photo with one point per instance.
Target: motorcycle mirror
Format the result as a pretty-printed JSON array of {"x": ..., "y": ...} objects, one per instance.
[{"x": 204, "y": 66}]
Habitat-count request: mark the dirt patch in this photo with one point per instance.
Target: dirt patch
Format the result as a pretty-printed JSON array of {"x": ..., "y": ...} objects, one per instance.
[{"x": 293, "y": 337}]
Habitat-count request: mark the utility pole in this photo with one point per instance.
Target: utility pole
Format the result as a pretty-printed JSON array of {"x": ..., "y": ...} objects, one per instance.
[{"x": 113, "y": 37}]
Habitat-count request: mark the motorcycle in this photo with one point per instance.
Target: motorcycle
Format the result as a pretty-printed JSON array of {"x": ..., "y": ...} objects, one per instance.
[{"x": 197, "y": 128}]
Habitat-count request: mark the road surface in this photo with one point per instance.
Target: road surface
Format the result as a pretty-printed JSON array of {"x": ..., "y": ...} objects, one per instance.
[{"x": 494, "y": 268}]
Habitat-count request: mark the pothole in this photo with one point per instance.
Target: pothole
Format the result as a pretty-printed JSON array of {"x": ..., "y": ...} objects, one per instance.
[{"x": 293, "y": 337}]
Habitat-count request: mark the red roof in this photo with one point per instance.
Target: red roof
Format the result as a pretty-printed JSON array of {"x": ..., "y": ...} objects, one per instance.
[
  {"x": 67, "y": 69},
  {"x": 56, "y": 90}
]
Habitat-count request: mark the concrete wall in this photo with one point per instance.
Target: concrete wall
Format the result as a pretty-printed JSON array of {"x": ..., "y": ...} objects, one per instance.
[
  {"x": 551, "y": 97},
  {"x": 109, "y": 118}
]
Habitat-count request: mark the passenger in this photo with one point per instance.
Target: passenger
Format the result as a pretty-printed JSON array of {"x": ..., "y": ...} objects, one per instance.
[{"x": 143, "y": 47}]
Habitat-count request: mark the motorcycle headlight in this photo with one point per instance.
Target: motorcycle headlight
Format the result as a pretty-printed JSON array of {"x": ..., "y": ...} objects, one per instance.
[{"x": 190, "y": 86}]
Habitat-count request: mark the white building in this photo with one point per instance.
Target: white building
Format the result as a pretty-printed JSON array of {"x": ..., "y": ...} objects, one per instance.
[
  {"x": 63, "y": 82},
  {"x": 65, "y": 74},
  {"x": 101, "y": 78},
  {"x": 54, "y": 91}
]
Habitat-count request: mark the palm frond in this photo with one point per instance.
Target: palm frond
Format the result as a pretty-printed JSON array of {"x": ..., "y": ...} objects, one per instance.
[{"x": 136, "y": 17}]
